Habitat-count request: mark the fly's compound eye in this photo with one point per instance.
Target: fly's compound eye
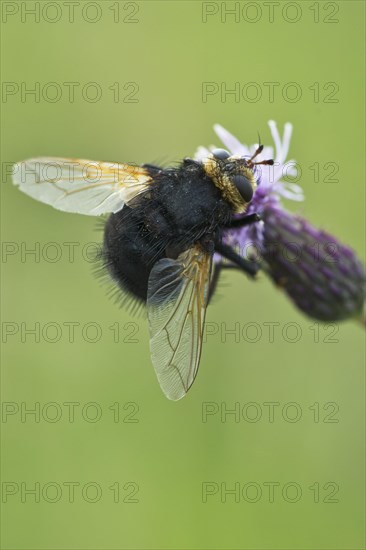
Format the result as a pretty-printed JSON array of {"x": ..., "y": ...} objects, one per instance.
[
  {"x": 244, "y": 187},
  {"x": 221, "y": 154}
]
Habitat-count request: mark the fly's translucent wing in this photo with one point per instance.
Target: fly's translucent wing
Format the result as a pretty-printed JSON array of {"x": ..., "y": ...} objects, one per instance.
[
  {"x": 176, "y": 306},
  {"x": 80, "y": 186}
]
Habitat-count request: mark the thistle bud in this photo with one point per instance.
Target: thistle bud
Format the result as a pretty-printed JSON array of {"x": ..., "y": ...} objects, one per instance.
[{"x": 323, "y": 277}]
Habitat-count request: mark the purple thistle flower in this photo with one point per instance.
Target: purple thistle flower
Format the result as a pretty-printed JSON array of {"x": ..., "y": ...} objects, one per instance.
[{"x": 323, "y": 277}]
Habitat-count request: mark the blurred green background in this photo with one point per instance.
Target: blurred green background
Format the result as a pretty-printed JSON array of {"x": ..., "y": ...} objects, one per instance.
[{"x": 164, "y": 448}]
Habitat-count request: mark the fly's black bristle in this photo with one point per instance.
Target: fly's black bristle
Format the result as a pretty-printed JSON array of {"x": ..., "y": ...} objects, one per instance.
[{"x": 119, "y": 296}]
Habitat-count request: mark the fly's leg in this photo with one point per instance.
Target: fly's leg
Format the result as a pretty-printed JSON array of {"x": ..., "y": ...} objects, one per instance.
[
  {"x": 246, "y": 220},
  {"x": 250, "y": 268},
  {"x": 216, "y": 276}
]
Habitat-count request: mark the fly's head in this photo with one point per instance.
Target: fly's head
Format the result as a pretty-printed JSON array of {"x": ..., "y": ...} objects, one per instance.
[{"x": 234, "y": 176}]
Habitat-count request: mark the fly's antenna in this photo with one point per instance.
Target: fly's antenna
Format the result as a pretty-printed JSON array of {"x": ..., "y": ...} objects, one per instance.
[
  {"x": 257, "y": 152},
  {"x": 268, "y": 162}
]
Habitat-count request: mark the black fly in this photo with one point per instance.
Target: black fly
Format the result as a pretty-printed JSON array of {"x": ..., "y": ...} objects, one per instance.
[{"x": 159, "y": 240}]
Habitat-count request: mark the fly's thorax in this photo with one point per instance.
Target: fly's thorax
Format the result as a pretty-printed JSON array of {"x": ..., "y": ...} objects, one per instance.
[
  {"x": 188, "y": 201},
  {"x": 233, "y": 177}
]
